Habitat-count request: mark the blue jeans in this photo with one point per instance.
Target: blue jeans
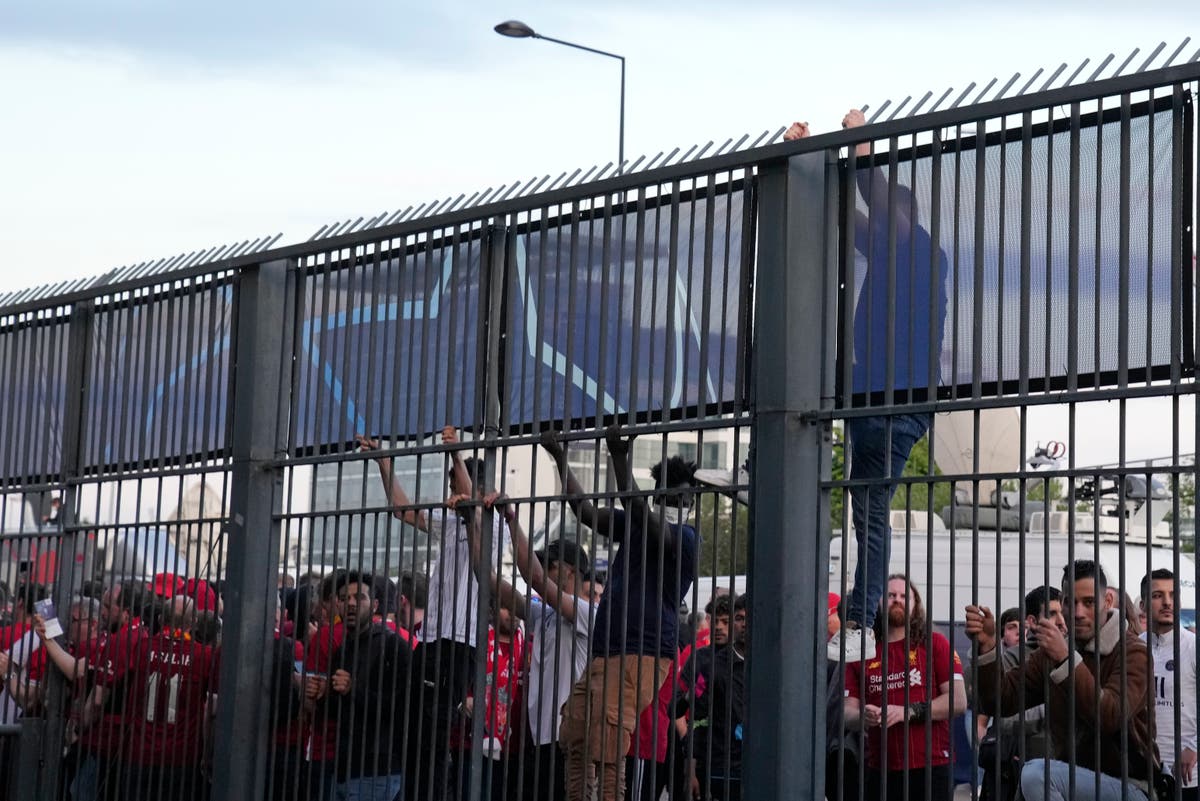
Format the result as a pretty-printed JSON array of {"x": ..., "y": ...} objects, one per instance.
[
  {"x": 86, "y": 784},
  {"x": 371, "y": 788},
  {"x": 870, "y": 458},
  {"x": 1050, "y": 779}
]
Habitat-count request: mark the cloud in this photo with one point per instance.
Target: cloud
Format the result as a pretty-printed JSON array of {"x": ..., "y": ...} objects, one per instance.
[{"x": 230, "y": 36}]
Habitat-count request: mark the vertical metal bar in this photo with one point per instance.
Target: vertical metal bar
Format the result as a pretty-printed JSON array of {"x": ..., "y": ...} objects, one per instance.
[
  {"x": 797, "y": 253},
  {"x": 1178, "y": 183},
  {"x": 253, "y": 543},
  {"x": 1001, "y": 261},
  {"x": 728, "y": 303},
  {"x": 891, "y": 336},
  {"x": 607, "y": 253},
  {"x": 1098, "y": 251},
  {"x": 671, "y": 391},
  {"x": 956, "y": 249},
  {"x": 1123, "y": 194},
  {"x": 538, "y": 229},
  {"x": 1073, "y": 224},
  {"x": 635, "y": 338},
  {"x": 74, "y": 381},
  {"x": 1023, "y": 352},
  {"x": 1048, "y": 368},
  {"x": 576, "y": 263},
  {"x": 745, "y": 319},
  {"x": 703, "y": 396},
  {"x": 1148, "y": 329},
  {"x": 847, "y": 269},
  {"x": 980, "y": 236},
  {"x": 487, "y": 396}
]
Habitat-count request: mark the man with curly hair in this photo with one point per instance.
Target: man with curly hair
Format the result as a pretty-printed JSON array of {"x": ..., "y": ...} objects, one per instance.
[{"x": 636, "y": 630}]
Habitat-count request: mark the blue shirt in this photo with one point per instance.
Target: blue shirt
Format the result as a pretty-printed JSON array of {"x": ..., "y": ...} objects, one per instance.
[
  {"x": 914, "y": 324},
  {"x": 639, "y": 611}
]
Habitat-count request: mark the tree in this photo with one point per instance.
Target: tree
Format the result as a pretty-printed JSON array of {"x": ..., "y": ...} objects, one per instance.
[
  {"x": 1185, "y": 490},
  {"x": 1042, "y": 490},
  {"x": 724, "y": 535},
  {"x": 922, "y": 497},
  {"x": 915, "y": 497}
]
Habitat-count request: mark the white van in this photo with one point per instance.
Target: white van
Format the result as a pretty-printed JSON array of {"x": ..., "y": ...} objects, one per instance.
[{"x": 942, "y": 564}]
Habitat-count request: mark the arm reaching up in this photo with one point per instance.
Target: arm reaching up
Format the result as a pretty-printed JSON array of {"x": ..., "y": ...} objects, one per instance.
[
  {"x": 461, "y": 477},
  {"x": 875, "y": 187},
  {"x": 396, "y": 495},
  {"x": 598, "y": 520},
  {"x": 507, "y": 595},
  {"x": 531, "y": 568},
  {"x": 655, "y": 524}
]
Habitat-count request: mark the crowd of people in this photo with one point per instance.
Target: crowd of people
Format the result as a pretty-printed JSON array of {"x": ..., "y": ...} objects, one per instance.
[{"x": 1070, "y": 697}]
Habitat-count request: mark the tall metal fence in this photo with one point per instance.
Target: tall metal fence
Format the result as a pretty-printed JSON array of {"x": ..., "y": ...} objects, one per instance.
[{"x": 231, "y": 478}]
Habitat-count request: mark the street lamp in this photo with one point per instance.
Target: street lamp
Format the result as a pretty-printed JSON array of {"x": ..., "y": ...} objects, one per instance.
[{"x": 519, "y": 30}]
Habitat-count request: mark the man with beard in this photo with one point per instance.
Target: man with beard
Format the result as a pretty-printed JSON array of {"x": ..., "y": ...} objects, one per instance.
[
  {"x": 718, "y": 611},
  {"x": 1095, "y": 684},
  {"x": 367, "y": 686},
  {"x": 102, "y": 718},
  {"x": 719, "y": 704},
  {"x": 924, "y": 690},
  {"x": 1176, "y": 745}
]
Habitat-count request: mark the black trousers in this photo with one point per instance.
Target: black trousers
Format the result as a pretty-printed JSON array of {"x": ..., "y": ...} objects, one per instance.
[
  {"x": 940, "y": 784},
  {"x": 161, "y": 782},
  {"x": 654, "y": 777},
  {"x": 543, "y": 773},
  {"x": 441, "y": 672},
  {"x": 841, "y": 775}
]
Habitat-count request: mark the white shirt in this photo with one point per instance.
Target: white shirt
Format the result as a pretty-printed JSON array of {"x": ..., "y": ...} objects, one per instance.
[
  {"x": 559, "y": 658},
  {"x": 1162, "y": 648},
  {"x": 453, "y": 590}
]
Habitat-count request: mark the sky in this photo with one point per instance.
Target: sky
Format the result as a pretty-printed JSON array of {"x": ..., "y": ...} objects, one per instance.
[{"x": 137, "y": 130}]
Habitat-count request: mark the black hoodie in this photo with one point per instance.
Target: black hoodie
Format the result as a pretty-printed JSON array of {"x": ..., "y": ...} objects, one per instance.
[{"x": 371, "y": 717}]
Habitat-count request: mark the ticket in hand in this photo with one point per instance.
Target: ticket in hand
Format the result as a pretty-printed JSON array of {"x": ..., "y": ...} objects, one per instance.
[{"x": 46, "y": 611}]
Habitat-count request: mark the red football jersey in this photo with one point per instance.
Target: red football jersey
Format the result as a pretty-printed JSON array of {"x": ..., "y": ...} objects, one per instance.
[
  {"x": 907, "y": 668},
  {"x": 322, "y": 735},
  {"x": 117, "y": 652},
  {"x": 167, "y": 700}
]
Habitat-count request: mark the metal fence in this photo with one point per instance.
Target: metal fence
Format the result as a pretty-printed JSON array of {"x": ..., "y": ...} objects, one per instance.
[{"x": 264, "y": 594}]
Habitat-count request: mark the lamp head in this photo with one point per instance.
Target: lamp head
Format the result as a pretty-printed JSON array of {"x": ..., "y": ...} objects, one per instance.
[{"x": 515, "y": 29}]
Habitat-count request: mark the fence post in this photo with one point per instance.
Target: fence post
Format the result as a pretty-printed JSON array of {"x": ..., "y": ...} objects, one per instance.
[
  {"x": 790, "y": 454},
  {"x": 72, "y": 546},
  {"x": 489, "y": 387},
  {"x": 259, "y": 418}
]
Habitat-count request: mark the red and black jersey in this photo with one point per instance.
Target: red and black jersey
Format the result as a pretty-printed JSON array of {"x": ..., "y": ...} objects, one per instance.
[
  {"x": 907, "y": 683},
  {"x": 167, "y": 700},
  {"x": 117, "y": 653}
]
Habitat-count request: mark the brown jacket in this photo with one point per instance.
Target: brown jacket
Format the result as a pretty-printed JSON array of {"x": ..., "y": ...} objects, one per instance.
[{"x": 1108, "y": 699}]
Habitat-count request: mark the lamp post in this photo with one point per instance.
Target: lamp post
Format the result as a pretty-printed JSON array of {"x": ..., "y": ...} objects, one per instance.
[{"x": 519, "y": 30}]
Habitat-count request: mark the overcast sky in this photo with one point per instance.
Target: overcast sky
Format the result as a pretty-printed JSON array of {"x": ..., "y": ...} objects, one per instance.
[{"x": 138, "y": 130}]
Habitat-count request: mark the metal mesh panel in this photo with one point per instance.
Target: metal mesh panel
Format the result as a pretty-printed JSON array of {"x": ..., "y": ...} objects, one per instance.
[{"x": 282, "y": 570}]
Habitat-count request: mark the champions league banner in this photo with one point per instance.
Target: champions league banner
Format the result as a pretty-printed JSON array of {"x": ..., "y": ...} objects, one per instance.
[
  {"x": 638, "y": 312},
  {"x": 641, "y": 312}
]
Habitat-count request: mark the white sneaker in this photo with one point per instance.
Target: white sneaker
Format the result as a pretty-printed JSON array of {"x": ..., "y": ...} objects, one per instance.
[
  {"x": 726, "y": 478},
  {"x": 860, "y": 644}
]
